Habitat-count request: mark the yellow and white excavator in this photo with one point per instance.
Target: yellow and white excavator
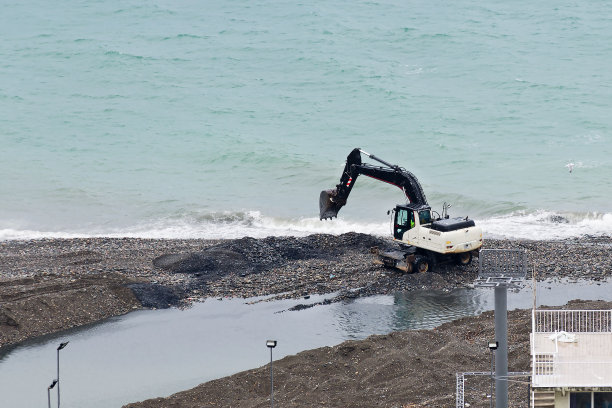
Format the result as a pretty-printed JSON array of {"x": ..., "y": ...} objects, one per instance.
[{"x": 425, "y": 238}]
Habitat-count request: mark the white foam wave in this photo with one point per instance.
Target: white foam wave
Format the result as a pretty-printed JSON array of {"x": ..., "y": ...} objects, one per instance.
[
  {"x": 221, "y": 226},
  {"x": 15, "y": 234},
  {"x": 257, "y": 227},
  {"x": 547, "y": 225},
  {"x": 520, "y": 225}
]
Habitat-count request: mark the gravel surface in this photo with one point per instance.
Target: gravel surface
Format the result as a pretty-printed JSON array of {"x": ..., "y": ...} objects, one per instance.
[{"x": 50, "y": 285}]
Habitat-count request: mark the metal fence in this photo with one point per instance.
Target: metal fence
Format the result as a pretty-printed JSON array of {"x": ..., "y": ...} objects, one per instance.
[
  {"x": 501, "y": 267},
  {"x": 572, "y": 321},
  {"x": 502, "y": 262},
  {"x": 460, "y": 391}
]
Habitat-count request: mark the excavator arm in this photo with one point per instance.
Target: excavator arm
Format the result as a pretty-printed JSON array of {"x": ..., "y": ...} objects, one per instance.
[{"x": 330, "y": 201}]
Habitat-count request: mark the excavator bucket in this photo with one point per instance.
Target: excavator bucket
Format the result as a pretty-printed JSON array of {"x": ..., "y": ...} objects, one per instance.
[
  {"x": 330, "y": 201},
  {"x": 329, "y": 205}
]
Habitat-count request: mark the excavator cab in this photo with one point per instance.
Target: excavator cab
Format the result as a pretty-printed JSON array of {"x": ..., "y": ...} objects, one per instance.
[{"x": 404, "y": 218}]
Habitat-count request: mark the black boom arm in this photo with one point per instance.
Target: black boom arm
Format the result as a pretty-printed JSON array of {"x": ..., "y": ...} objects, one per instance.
[{"x": 330, "y": 201}]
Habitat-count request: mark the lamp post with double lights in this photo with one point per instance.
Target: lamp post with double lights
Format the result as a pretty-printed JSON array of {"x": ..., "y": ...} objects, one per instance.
[
  {"x": 49, "y": 392},
  {"x": 271, "y": 344},
  {"x": 492, "y": 347},
  {"x": 61, "y": 346}
]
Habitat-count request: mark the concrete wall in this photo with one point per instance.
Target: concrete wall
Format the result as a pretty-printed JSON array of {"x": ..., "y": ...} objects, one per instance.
[{"x": 562, "y": 401}]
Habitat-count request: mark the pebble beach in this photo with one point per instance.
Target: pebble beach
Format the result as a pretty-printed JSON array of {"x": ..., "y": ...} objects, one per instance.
[{"x": 96, "y": 278}]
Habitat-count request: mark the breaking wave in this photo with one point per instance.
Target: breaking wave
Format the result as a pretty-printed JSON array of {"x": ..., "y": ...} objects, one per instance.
[
  {"x": 547, "y": 225},
  {"x": 228, "y": 225},
  {"x": 225, "y": 225}
]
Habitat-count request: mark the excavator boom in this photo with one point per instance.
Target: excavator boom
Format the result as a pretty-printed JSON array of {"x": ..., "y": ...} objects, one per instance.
[{"x": 331, "y": 201}]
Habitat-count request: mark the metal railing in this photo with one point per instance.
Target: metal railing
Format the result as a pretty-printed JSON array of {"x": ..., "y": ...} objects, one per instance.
[
  {"x": 572, "y": 321},
  {"x": 460, "y": 388}
]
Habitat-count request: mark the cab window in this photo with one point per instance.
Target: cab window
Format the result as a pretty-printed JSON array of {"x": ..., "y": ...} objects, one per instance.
[
  {"x": 424, "y": 217},
  {"x": 402, "y": 218},
  {"x": 405, "y": 219}
]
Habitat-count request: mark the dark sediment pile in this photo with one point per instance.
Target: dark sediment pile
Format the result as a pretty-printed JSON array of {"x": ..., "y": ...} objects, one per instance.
[{"x": 294, "y": 267}]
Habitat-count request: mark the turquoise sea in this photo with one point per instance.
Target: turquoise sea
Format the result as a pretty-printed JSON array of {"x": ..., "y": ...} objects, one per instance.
[{"x": 225, "y": 119}]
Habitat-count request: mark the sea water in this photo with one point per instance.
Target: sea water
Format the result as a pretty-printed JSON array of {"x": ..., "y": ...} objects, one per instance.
[{"x": 223, "y": 119}]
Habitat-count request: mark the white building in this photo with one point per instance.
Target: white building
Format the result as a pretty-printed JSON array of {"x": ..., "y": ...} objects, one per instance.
[{"x": 571, "y": 352}]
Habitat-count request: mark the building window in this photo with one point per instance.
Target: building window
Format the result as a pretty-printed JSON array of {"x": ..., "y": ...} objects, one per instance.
[
  {"x": 603, "y": 400},
  {"x": 591, "y": 400},
  {"x": 580, "y": 400}
]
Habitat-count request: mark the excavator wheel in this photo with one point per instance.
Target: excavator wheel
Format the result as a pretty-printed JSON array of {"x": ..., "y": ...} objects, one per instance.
[
  {"x": 463, "y": 259},
  {"x": 421, "y": 265}
]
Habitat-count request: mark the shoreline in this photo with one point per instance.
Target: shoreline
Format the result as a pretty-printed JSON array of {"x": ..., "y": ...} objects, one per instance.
[{"x": 50, "y": 285}]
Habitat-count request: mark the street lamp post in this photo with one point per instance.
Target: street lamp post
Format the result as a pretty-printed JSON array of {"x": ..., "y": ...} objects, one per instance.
[
  {"x": 492, "y": 347},
  {"x": 49, "y": 392},
  {"x": 271, "y": 344},
  {"x": 501, "y": 269},
  {"x": 61, "y": 346}
]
